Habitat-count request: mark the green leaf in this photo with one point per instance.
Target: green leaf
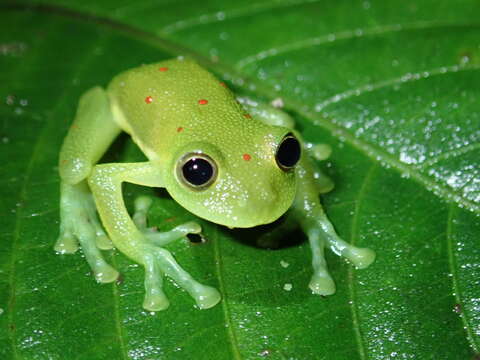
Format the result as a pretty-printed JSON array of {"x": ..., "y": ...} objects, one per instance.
[{"x": 391, "y": 86}]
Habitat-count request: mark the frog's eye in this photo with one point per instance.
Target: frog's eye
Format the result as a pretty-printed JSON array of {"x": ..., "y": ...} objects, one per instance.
[
  {"x": 288, "y": 152},
  {"x": 197, "y": 171}
]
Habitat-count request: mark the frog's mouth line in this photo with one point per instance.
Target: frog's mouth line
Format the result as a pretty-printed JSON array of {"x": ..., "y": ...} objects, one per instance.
[
  {"x": 238, "y": 221},
  {"x": 228, "y": 213}
]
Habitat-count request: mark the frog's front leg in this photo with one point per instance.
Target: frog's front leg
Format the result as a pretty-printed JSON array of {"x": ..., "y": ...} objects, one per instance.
[
  {"x": 105, "y": 182},
  {"x": 320, "y": 232},
  {"x": 142, "y": 204}
]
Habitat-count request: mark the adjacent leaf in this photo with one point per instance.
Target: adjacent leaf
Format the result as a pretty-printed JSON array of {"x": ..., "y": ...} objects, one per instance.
[{"x": 392, "y": 87}]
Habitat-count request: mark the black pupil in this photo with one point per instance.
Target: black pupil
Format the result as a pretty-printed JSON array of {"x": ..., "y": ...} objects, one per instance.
[
  {"x": 288, "y": 152},
  {"x": 197, "y": 171}
]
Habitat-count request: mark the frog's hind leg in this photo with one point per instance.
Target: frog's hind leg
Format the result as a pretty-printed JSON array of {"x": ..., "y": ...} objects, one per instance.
[
  {"x": 323, "y": 182},
  {"x": 91, "y": 133},
  {"x": 266, "y": 113},
  {"x": 79, "y": 223}
]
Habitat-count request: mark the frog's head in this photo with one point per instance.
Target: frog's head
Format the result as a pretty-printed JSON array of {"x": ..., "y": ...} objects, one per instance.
[{"x": 240, "y": 181}]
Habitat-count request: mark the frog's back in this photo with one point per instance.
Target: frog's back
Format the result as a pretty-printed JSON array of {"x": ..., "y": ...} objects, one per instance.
[{"x": 154, "y": 102}]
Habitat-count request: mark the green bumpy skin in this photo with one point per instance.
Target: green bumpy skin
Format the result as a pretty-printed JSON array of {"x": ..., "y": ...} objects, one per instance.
[{"x": 175, "y": 111}]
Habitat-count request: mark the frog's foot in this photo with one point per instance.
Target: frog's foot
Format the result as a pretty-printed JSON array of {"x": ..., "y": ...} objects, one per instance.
[
  {"x": 324, "y": 183},
  {"x": 159, "y": 261},
  {"x": 79, "y": 223},
  {"x": 267, "y": 114},
  {"x": 321, "y": 282},
  {"x": 142, "y": 204},
  {"x": 155, "y": 299},
  {"x": 318, "y": 151},
  {"x": 320, "y": 234},
  {"x": 359, "y": 257}
]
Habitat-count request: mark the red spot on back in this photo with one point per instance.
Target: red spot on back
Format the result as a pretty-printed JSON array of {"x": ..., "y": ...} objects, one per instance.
[
  {"x": 223, "y": 84},
  {"x": 248, "y": 116},
  {"x": 203, "y": 102},
  {"x": 148, "y": 99},
  {"x": 163, "y": 69},
  {"x": 179, "y": 129},
  {"x": 247, "y": 157}
]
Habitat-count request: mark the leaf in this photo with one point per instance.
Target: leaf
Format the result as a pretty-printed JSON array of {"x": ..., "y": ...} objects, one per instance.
[{"x": 392, "y": 87}]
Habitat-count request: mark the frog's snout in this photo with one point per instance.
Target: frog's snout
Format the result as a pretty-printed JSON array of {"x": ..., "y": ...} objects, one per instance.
[
  {"x": 242, "y": 203},
  {"x": 268, "y": 201},
  {"x": 261, "y": 204},
  {"x": 262, "y": 196}
]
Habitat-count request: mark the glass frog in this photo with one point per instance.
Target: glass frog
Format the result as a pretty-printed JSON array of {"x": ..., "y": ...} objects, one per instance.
[{"x": 232, "y": 162}]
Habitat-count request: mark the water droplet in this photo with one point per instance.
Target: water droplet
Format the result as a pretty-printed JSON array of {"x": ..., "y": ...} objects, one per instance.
[{"x": 224, "y": 36}]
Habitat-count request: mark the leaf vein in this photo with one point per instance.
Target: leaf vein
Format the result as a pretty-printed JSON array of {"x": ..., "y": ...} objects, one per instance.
[
  {"x": 342, "y": 35},
  {"x": 351, "y": 281},
  {"x": 116, "y": 308},
  {"x": 455, "y": 281},
  {"x": 448, "y": 154},
  {"x": 234, "y": 13},
  {"x": 405, "y": 78},
  {"x": 225, "y": 307},
  {"x": 19, "y": 218}
]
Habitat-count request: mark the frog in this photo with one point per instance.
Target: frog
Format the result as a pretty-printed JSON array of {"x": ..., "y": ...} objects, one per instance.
[{"x": 226, "y": 159}]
